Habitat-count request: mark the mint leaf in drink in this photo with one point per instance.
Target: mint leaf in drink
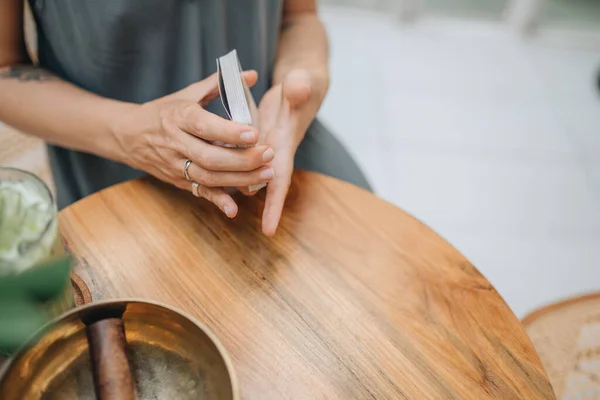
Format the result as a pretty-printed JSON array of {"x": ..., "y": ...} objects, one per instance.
[{"x": 25, "y": 217}]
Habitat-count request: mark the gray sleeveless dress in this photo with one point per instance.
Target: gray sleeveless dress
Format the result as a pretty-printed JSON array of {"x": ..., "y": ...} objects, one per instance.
[{"x": 139, "y": 50}]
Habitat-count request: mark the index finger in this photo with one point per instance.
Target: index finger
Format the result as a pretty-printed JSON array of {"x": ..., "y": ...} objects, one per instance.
[
  {"x": 208, "y": 126},
  {"x": 276, "y": 193}
]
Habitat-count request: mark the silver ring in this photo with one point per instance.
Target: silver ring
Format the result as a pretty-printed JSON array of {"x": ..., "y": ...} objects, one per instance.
[
  {"x": 195, "y": 186},
  {"x": 185, "y": 170}
]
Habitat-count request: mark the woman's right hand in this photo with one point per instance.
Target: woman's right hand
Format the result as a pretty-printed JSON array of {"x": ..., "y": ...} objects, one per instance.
[{"x": 158, "y": 137}]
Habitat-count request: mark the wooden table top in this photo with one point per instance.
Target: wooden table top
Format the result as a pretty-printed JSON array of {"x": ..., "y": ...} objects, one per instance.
[{"x": 353, "y": 299}]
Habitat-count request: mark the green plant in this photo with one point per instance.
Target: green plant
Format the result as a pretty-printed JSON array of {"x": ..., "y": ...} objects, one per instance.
[{"x": 21, "y": 296}]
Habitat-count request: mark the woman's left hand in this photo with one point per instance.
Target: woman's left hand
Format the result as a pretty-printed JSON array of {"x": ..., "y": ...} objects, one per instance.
[{"x": 285, "y": 114}]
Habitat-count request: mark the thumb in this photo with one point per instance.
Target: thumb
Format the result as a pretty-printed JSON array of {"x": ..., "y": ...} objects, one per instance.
[
  {"x": 297, "y": 87},
  {"x": 206, "y": 90}
]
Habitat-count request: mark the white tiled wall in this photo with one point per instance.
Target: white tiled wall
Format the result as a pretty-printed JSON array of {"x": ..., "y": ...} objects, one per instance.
[{"x": 491, "y": 140}]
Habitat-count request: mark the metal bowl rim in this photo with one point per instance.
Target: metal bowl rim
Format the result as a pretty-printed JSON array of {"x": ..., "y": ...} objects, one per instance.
[{"x": 207, "y": 331}]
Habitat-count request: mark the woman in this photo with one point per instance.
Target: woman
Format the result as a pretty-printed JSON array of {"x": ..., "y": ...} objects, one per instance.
[{"x": 123, "y": 89}]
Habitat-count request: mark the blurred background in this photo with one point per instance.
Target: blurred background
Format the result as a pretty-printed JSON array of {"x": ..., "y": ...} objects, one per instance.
[
  {"x": 479, "y": 117},
  {"x": 482, "y": 119}
]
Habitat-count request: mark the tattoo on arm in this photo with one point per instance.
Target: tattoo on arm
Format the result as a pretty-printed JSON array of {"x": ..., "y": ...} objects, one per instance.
[
  {"x": 286, "y": 25},
  {"x": 27, "y": 73}
]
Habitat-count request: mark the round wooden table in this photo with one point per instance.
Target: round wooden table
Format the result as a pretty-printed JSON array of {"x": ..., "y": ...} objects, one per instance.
[{"x": 353, "y": 299}]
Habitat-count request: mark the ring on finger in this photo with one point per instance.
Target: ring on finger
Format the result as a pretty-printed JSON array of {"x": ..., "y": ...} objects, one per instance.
[
  {"x": 185, "y": 170},
  {"x": 195, "y": 187}
]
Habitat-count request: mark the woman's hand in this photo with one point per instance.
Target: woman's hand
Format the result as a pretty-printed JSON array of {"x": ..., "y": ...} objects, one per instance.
[
  {"x": 158, "y": 137},
  {"x": 285, "y": 113}
]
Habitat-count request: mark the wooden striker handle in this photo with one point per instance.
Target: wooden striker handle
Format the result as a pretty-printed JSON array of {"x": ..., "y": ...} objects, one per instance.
[{"x": 112, "y": 375}]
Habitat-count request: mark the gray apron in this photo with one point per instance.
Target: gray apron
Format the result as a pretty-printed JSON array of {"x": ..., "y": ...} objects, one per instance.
[{"x": 140, "y": 50}]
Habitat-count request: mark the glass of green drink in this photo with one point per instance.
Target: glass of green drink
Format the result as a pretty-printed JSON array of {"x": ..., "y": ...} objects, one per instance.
[{"x": 29, "y": 244}]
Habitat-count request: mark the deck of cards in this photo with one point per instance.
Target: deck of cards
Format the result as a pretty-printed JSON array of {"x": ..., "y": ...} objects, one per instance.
[{"x": 236, "y": 98}]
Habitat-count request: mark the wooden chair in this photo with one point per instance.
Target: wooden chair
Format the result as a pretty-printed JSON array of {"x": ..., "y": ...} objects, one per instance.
[{"x": 566, "y": 335}]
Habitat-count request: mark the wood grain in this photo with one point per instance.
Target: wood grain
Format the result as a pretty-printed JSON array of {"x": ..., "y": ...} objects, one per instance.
[
  {"x": 353, "y": 299},
  {"x": 81, "y": 292}
]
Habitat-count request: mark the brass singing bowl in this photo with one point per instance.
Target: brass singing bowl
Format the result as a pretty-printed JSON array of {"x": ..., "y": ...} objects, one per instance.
[{"x": 172, "y": 356}]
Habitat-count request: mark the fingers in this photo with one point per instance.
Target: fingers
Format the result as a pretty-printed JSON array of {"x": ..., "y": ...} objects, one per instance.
[
  {"x": 276, "y": 194},
  {"x": 229, "y": 179},
  {"x": 246, "y": 192},
  {"x": 217, "y": 196},
  {"x": 210, "y": 90},
  {"x": 198, "y": 92},
  {"x": 212, "y": 86},
  {"x": 217, "y": 158},
  {"x": 297, "y": 87},
  {"x": 251, "y": 77},
  {"x": 196, "y": 121},
  {"x": 206, "y": 90}
]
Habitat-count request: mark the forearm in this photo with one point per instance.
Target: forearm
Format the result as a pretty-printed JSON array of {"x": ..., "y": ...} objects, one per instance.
[
  {"x": 303, "y": 45},
  {"x": 38, "y": 103}
]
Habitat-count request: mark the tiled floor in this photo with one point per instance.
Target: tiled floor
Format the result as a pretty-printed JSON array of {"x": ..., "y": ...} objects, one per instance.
[{"x": 491, "y": 140}]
